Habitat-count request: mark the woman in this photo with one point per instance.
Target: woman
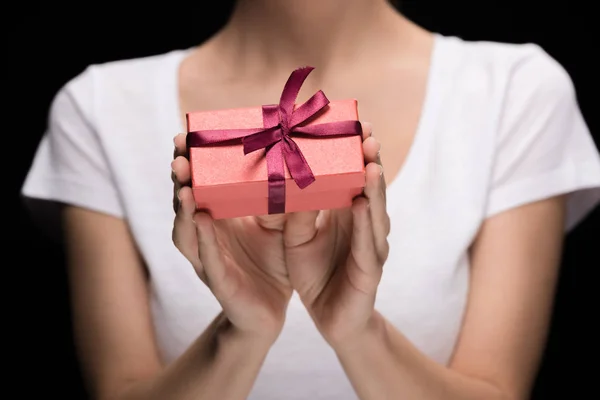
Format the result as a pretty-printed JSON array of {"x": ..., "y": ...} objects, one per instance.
[{"x": 487, "y": 161}]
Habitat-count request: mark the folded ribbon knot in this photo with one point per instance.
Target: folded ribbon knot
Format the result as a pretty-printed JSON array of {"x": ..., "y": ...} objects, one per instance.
[{"x": 280, "y": 122}]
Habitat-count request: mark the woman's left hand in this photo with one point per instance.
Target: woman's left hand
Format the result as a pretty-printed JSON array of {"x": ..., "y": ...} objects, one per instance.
[{"x": 335, "y": 258}]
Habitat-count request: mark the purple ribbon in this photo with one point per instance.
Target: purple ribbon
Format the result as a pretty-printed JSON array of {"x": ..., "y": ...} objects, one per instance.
[{"x": 279, "y": 123}]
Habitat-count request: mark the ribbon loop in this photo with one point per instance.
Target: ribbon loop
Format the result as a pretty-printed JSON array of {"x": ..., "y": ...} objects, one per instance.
[
  {"x": 291, "y": 90},
  {"x": 311, "y": 107},
  {"x": 280, "y": 122}
]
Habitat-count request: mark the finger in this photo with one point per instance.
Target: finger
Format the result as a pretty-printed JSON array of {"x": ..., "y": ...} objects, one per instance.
[
  {"x": 210, "y": 256},
  {"x": 181, "y": 176},
  {"x": 367, "y": 130},
  {"x": 274, "y": 222},
  {"x": 179, "y": 149},
  {"x": 375, "y": 193},
  {"x": 371, "y": 147},
  {"x": 371, "y": 150},
  {"x": 362, "y": 242},
  {"x": 300, "y": 228},
  {"x": 175, "y": 191},
  {"x": 184, "y": 230},
  {"x": 181, "y": 169},
  {"x": 180, "y": 145}
]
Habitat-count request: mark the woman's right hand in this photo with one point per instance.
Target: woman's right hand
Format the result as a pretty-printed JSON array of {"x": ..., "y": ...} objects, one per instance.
[{"x": 241, "y": 260}]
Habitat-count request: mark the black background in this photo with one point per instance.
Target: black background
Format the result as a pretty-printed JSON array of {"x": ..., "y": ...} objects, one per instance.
[{"x": 46, "y": 45}]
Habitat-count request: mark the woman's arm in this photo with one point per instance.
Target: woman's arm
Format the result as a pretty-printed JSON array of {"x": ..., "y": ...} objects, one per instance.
[
  {"x": 114, "y": 332},
  {"x": 515, "y": 263}
]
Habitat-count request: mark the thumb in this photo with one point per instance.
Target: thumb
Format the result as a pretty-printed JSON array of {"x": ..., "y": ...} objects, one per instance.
[
  {"x": 271, "y": 222},
  {"x": 300, "y": 228}
]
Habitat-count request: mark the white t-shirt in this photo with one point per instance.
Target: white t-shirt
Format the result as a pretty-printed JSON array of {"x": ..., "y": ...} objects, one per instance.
[{"x": 500, "y": 128}]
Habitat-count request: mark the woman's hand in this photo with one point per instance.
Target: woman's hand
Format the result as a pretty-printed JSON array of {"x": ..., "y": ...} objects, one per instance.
[
  {"x": 335, "y": 258},
  {"x": 241, "y": 260}
]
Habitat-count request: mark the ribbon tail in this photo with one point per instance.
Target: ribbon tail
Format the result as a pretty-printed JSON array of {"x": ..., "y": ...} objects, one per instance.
[
  {"x": 297, "y": 165},
  {"x": 276, "y": 171}
]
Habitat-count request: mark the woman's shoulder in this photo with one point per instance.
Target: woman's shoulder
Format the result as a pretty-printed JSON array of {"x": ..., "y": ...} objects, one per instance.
[
  {"x": 502, "y": 85},
  {"x": 130, "y": 71},
  {"x": 93, "y": 120},
  {"x": 496, "y": 69},
  {"x": 517, "y": 106},
  {"x": 121, "y": 83}
]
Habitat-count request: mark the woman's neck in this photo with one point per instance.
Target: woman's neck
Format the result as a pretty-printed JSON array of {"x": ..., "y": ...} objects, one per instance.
[{"x": 279, "y": 35}]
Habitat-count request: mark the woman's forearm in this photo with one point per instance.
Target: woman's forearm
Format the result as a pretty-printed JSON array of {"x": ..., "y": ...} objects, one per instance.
[
  {"x": 383, "y": 364},
  {"x": 221, "y": 364}
]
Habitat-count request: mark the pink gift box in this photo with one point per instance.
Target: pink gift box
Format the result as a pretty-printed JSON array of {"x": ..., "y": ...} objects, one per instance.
[{"x": 228, "y": 183}]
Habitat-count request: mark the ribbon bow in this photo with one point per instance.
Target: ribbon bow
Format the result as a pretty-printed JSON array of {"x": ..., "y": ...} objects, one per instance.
[{"x": 280, "y": 122}]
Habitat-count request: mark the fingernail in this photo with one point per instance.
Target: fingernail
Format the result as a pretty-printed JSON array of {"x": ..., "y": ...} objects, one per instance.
[
  {"x": 380, "y": 170},
  {"x": 178, "y": 198}
]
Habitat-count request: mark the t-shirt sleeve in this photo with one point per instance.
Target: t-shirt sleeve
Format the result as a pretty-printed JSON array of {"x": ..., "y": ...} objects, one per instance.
[
  {"x": 70, "y": 165},
  {"x": 544, "y": 147}
]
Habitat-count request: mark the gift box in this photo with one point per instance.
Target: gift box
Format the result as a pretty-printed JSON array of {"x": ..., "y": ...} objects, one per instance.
[{"x": 276, "y": 158}]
